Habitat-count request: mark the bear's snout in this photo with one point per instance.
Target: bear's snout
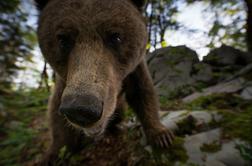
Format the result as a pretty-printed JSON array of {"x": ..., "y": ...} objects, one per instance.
[{"x": 82, "y": 110}]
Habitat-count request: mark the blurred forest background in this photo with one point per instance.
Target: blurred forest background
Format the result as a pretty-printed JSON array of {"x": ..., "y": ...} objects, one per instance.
[{"x": 218, "y": 29}]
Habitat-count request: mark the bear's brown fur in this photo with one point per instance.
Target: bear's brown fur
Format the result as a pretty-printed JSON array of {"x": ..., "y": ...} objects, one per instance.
[{"x": 97, "y": 48}]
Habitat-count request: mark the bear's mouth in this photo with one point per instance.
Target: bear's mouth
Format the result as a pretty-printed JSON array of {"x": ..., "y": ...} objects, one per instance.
[
  {"x": 82, "y": 123},
  {"x": 95, "y": 130}
]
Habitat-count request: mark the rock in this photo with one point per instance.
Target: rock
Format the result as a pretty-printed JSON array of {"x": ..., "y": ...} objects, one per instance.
[
  {"x": 200, "y": 119},
  {"x": 193, "y": 143},
  {"x": 216, "y": 116},
  {"x": 227, "y": 56},
  {"x": 247, "y": 93},
  {"x": 170, "y": 125},
  {"x": 242, "y": 72},
  {"x": 171, "y": 68},
  {"x": 227, "y": 87},
  {"x": 177, "y": 54},
  {"x": 177, "y": 71},
  {"x": 228, "y": 155},
  {"x": 225, "y": 62},
  {"x": 176, "y": 115},
  {"x": 215, "y": 163},
  {"x": 170, "y": 120},
  {"x": 203, "y": 72}
]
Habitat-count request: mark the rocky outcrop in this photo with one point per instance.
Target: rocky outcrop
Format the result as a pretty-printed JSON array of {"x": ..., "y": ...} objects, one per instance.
[
  {"x": 178, "y": 73},
  {"x": 171, "y": 68},
  {"x": 227, "y": 56},
  {"x": 202, "y": 72}
]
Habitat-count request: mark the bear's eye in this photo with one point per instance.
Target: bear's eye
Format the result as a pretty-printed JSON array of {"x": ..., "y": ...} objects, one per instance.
[
  {"x": 66, "y": 43},
  {"x": 114, "y": 40}
]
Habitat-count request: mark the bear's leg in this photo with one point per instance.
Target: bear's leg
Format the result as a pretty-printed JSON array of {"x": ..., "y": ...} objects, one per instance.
[
  {"x": 62, "y": 134},
  {"x": 141, "y": 97}
]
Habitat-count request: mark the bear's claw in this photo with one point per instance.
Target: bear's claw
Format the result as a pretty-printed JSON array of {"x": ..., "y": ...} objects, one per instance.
[
  {"x": 164, "y": 139},
  {"x": 161, "y": 138}
]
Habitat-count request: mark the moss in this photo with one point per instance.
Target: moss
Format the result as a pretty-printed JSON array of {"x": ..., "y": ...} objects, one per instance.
[
  {"x": 171, "y": 64},
  {"x": 211, "y": 147},
  {"x": 218, "y": 101},
  {"x": 199, "y": 86},
  {"x": 175, "y": 153},
  {"x": 168, "y": 104},
  {"x": 186, "y": 126},
  {"x": 237, "y": 124}
]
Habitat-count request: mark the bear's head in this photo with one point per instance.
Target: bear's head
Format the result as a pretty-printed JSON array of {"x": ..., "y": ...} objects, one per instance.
[{"x": 92, "y": 45}]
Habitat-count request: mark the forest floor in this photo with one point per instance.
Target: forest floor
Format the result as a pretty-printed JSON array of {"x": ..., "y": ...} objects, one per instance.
[{"x": 24, "y": 133}]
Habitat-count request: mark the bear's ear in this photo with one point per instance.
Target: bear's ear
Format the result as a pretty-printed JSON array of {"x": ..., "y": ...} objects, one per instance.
[
  {"x": 139, "y": 3},
  {"x": 41, "y": 4}
]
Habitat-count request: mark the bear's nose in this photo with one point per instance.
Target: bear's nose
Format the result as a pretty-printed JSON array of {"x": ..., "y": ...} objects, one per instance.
[{"x": 82, "y": 110}]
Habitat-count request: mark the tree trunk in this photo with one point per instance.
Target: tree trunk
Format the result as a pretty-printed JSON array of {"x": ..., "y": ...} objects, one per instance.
[
  {"x": 249, "y": 24},
  {"x": 44, "y": 78}
]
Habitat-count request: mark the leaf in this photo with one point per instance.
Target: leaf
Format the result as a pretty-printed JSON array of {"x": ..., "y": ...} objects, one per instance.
[{"x": 163, "y": 44}]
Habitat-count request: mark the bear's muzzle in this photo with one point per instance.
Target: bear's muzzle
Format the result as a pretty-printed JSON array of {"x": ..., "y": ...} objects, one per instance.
[{"x": 82, "y": 110}]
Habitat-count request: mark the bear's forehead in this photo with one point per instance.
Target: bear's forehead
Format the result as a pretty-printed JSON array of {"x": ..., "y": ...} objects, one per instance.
[
  {"x": 92, "y": 15},
  {"x": 92, "y": 10}
]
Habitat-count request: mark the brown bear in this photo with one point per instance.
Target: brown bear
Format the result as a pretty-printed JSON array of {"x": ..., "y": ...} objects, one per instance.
[{"x": 97, "y": 49}]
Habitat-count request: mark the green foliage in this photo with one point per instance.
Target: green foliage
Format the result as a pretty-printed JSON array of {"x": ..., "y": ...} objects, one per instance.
[
  {"x": 228, "y": 21},
  {"x": 64, "y": 155},
  {"x": 232, "y": 33},
  {"x": 129, "y": 114},
  {"x": 245, "y": 151},
  {"x": 16, "y": 40},
  {"x": 19, "y": 139},
  {"x": 16, "y": 134},
  {"x": 161, "y": 16}
]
